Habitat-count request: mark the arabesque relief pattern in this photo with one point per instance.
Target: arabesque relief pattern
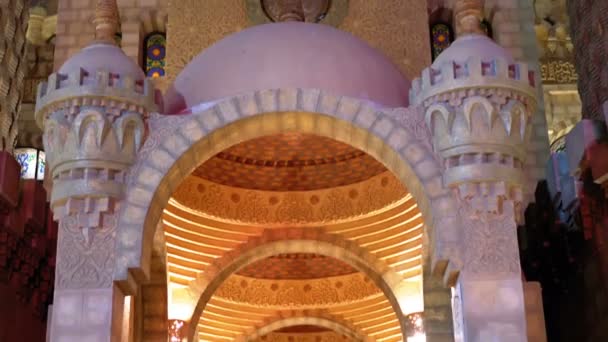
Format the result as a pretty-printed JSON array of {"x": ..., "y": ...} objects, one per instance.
[
  {"x": 409, "y": 47},
  {"x": 85, "y": 263},
  {"x": 294, "y": 207},
  {"x": 297, "y": 294},
  {"x": 89, "y": 143}
]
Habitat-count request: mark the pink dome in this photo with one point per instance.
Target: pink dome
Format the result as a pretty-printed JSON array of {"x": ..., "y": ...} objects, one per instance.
[
  {"x": 288, "y": 55},
  {"x": 470, "y": 45},
  {"x": 102, "y": 56}
]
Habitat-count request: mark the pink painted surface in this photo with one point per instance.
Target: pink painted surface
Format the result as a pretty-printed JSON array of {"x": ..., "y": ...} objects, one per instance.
[
  {"x": 475, "y": 45},
  {"x": 103, "y": 57},
  {"x": 288, "y": 55}
]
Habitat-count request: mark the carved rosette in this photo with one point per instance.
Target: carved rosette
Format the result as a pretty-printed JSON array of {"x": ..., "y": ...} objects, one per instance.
[
  {"x": 93, "y": 124},
  {"x": 479, "y": 115}
]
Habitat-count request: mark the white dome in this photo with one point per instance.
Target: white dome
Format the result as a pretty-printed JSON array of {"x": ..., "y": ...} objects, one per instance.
[{"x": 288, "y": 55}]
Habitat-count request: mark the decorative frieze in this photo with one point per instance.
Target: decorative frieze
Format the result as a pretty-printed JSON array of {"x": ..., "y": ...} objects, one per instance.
[{"x": 558, "y": 71}]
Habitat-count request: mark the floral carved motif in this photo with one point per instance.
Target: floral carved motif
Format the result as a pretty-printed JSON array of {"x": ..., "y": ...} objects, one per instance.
[{"x": 81, "y": 264}]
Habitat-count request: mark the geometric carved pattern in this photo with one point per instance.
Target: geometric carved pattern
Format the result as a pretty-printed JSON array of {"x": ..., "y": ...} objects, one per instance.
[
  {"x": 293, "y": 207},
  {"x": 296, "y": 266},
  {"x": 298, "y": 294}
]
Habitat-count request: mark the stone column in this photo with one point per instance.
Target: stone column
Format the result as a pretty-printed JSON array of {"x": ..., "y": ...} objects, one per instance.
[
  {"x": 490, "y": 289},
  {"x": 93, "y": 114},
  {"x": 90, "y": 143},
  {"x": 479, "y": 111}
]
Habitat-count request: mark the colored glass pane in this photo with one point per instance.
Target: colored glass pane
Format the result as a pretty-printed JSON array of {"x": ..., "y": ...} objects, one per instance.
[
  {"x": 32, "y": 163},
  {"x": 155, "y": 55},
  {"x": 441, "y": 35},
  {"x": 41, "y": 165}
]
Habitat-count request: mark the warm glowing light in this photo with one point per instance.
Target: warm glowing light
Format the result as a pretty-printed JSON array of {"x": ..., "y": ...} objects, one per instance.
[
  {"x": 181, "y": 305},
  {"x": 177, "y": 330},
  {"x": 415, "y": 327},
  {"x": 410, "y": 295}
]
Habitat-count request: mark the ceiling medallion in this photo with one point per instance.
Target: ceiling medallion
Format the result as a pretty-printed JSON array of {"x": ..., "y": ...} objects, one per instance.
[{"x": 329, "y": 12}]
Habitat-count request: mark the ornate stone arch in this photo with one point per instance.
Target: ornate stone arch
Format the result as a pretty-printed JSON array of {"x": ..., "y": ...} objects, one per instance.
[
  {"x": 319, "y": 319},
  {"x": 177, "y": 144},
  {"x": 292, "y": 240}
]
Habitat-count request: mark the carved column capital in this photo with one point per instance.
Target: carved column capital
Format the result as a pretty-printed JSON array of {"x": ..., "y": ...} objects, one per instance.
[
  {"x": 479, "y": 114},
  {"x": 93, "y": 129}
]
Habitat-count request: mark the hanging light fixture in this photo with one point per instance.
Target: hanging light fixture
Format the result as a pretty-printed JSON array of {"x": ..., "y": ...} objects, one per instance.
[
  {"x": 177, "y": 330},
  {"x": 415, "y": 327},
  {"x": 32, "y": 161}
]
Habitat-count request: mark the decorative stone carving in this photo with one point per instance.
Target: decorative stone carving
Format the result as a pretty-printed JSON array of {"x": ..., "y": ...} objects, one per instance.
[
  {"x": 315, "y": 11},
  {"x": 294, "y": 207},
  {"x": 90, "y": 140},
  {"x": 93, "y": 122},
  {"x": 558, "y": 71},
  {"x": 296, "y": 10},
  {"x": 479, "y": 114},
  {"x": 294, "y": 294},
  {"x": 491, "y": 240}
]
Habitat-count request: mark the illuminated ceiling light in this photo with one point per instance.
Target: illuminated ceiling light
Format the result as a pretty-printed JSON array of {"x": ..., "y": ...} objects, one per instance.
[
  {"x": 415, "y": 327},
  {"x": 177, "y": 330}
]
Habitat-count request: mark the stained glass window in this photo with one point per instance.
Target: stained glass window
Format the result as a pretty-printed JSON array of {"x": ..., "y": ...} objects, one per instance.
[
  {"x": 32, "y": 163},
  {"x": 441, "y": 38},
  {"x": 155, "y": 45}
]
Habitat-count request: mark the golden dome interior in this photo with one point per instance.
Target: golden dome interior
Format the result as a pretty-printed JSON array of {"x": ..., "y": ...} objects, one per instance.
[{"x": 293, "y": 181}]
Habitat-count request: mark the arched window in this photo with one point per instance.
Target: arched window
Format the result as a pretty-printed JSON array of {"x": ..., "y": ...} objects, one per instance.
[
  {"x": 154, "y": 54},
  {"x": 441, "y": 38}
]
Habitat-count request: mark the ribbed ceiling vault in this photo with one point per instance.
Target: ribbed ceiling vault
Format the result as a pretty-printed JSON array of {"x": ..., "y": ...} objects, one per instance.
[{"x": 391, "y": 231}]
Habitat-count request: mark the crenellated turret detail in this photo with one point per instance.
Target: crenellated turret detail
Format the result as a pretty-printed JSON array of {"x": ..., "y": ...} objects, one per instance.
[
  {"x": 479, "y": 114},
  {"x": 94, "y": 124}
]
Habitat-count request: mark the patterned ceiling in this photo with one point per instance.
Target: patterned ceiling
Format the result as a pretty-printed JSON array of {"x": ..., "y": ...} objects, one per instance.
[
  {"x": 302, "y": 329},
  {"x": 296, "y": 267},
  {"x": 290, "y": 162}
]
